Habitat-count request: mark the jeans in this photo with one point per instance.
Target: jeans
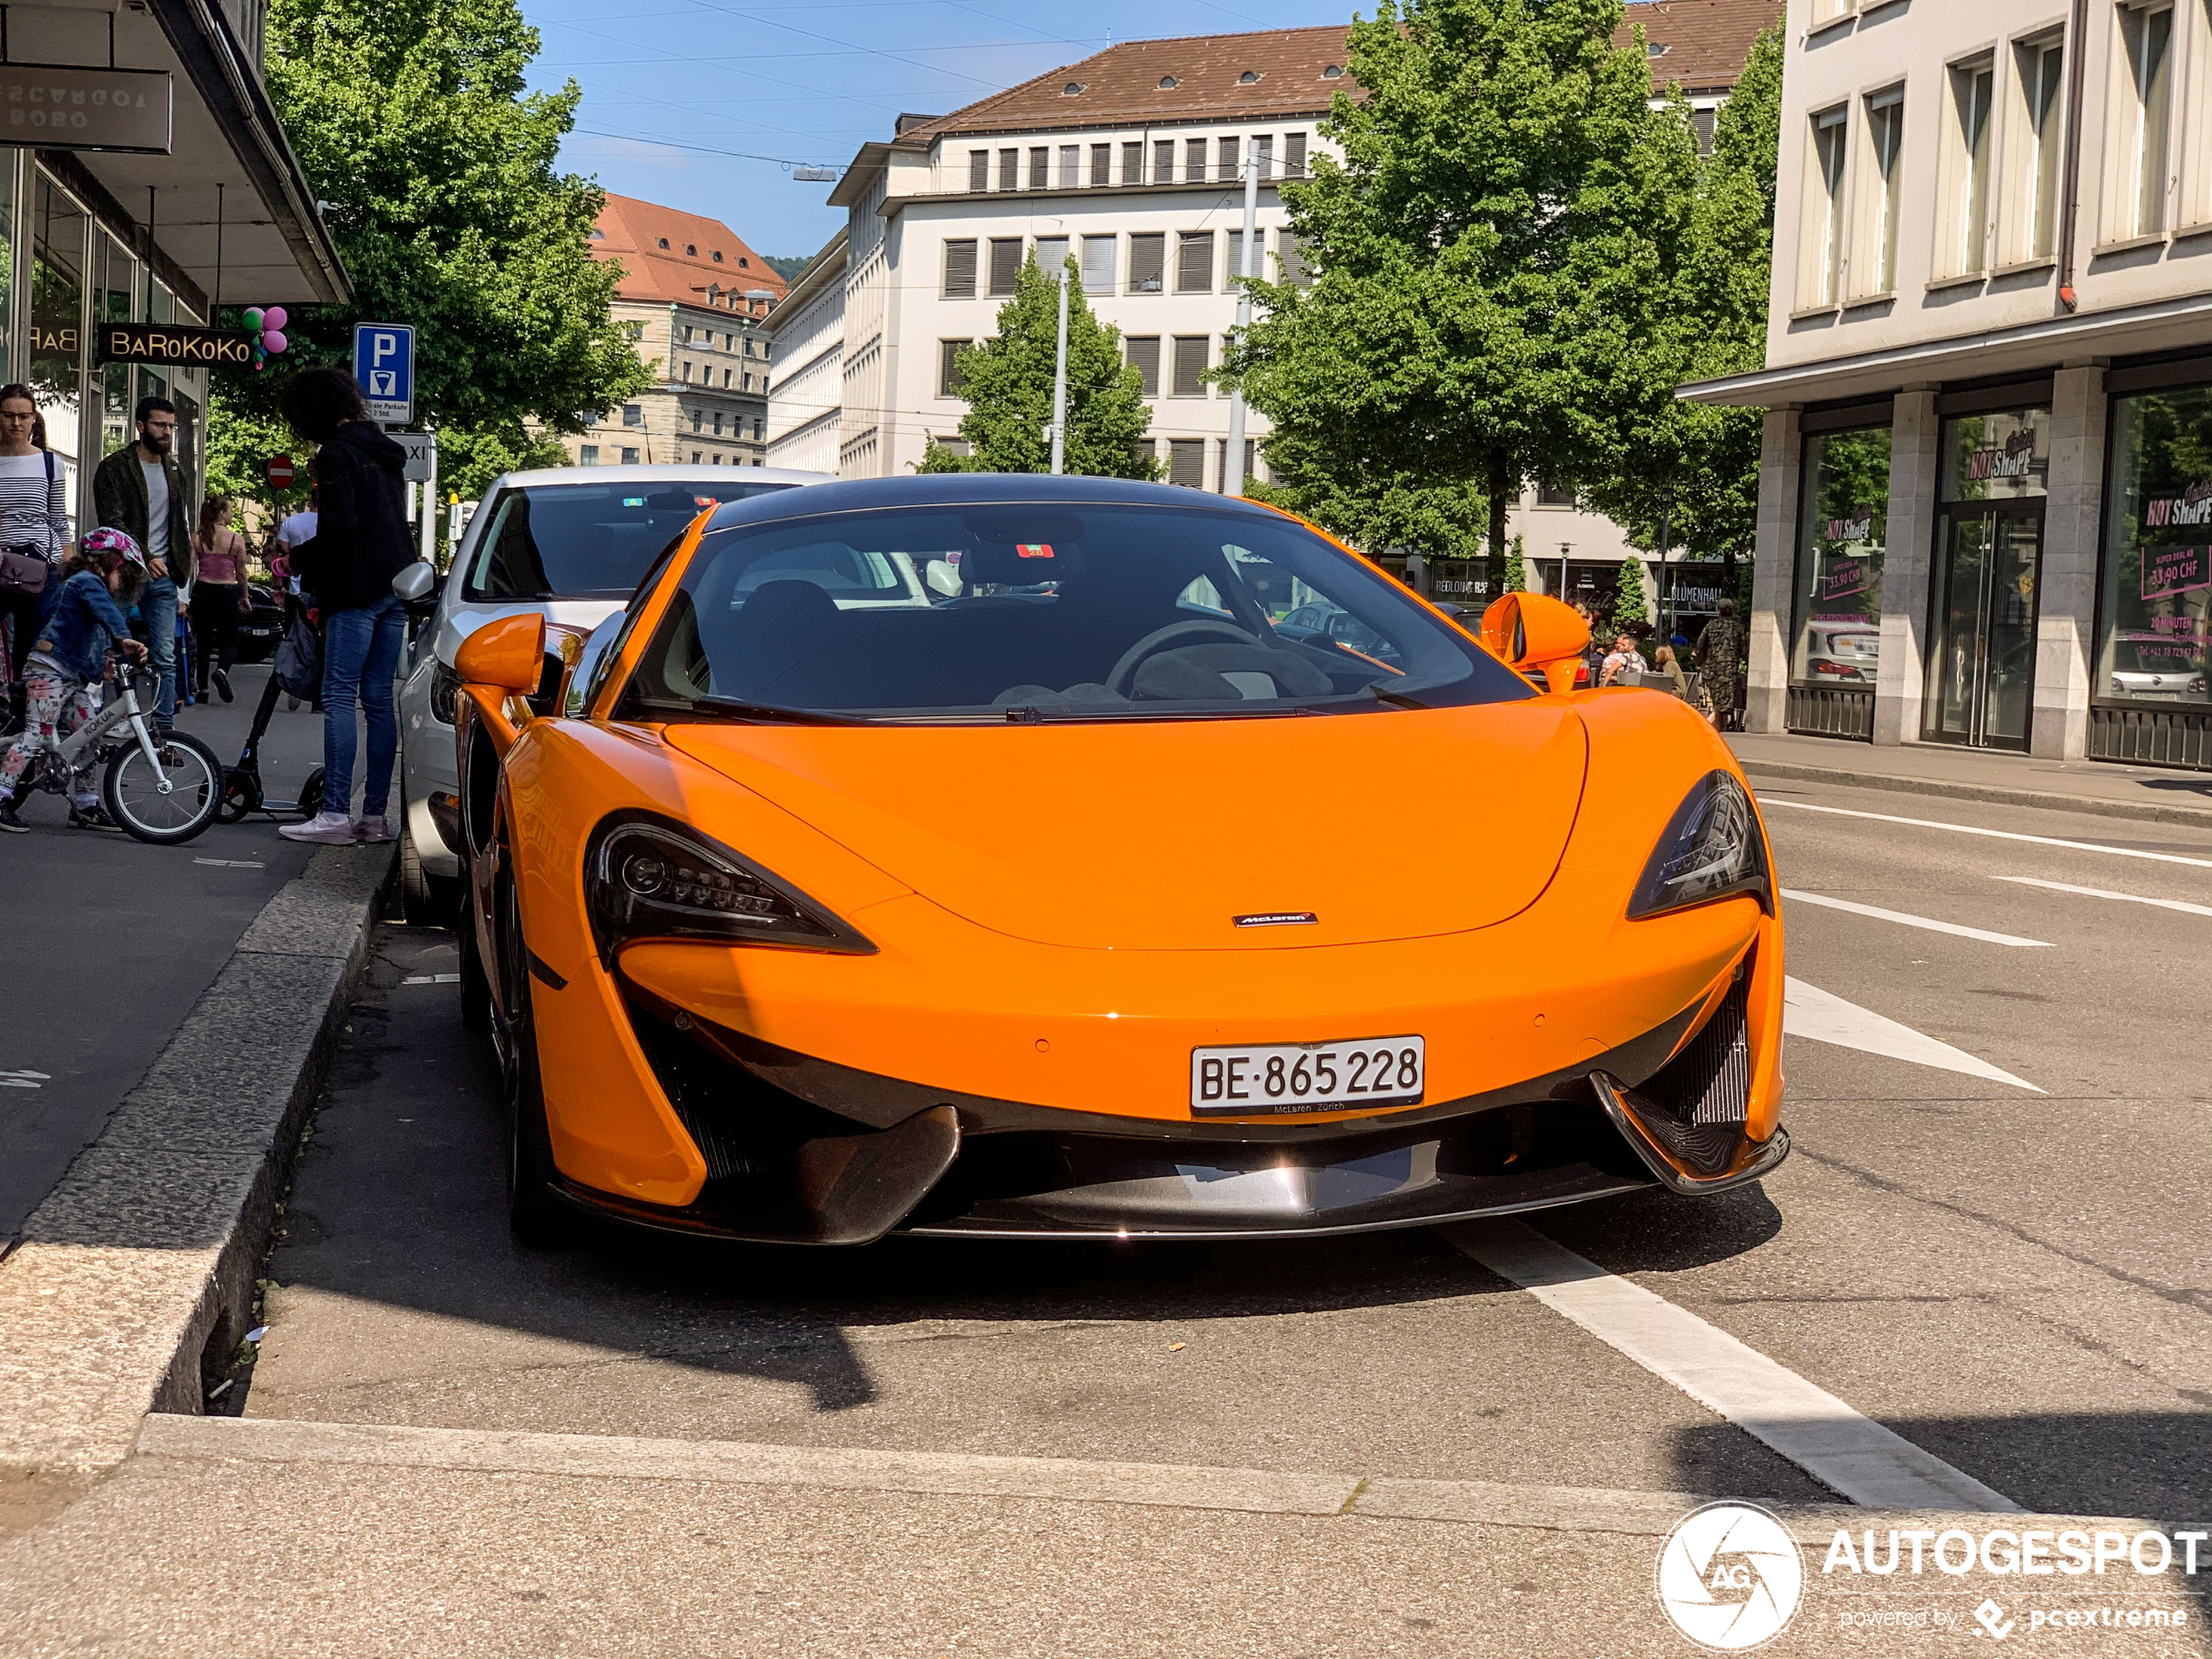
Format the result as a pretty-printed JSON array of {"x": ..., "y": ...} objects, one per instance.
[
  {"x": 158, "y": 608},
  {"x": 360, "y": 657}
]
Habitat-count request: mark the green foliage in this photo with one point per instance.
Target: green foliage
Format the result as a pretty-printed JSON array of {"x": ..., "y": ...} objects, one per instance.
[
  {"x": 1006, "y": 384},
  {"x": 1516, "y": 579},
  {"x": 1700, "y": 460},
  {"x": 1494, "y": 259},
  {"x": 1631, "y": 605},
  {"x": 787, "y": 265},
  {"x": 412, "y": 119}
]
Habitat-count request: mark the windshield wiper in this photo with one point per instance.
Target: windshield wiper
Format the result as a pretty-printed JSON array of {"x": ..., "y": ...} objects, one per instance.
[
  {"x": 771, "y": 713},
  {"x": 1397, "y": 699}
]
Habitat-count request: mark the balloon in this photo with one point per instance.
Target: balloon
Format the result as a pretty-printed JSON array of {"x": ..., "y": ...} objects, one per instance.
[
  {"x": 253, "y": 317},
  {"x": 275, "y": 317},
  {"x": 273, "y": 341}
]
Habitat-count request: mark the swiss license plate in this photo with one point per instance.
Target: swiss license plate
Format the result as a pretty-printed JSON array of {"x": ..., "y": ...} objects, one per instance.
[{"x": 1259, "y": 1079}]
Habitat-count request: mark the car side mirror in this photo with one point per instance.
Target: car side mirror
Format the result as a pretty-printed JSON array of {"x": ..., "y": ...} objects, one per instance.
[
  {"x": 507, "y": 654},
  {"x": 1536, "y": 635},
  {"x": 417, "y": 582}
]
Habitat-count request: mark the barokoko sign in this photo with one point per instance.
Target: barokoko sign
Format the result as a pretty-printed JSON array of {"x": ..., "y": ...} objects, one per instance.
[
  {"x": 175, "y": 343},
  {"x": 71, "y": 107}
]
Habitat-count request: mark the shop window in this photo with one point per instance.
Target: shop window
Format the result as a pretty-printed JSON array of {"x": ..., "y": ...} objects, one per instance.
[
  {"x": 1995, "y": 457},
  {"x": 1820, "y": 258},
  {"x": 2156, "y": 617},
  {"x": 1962, "y": 237},
  {"x": 1842, "y": 534}
]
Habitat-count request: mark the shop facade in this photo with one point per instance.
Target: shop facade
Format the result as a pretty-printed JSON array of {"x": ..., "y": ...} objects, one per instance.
[{"x": 1986, "y": 494}]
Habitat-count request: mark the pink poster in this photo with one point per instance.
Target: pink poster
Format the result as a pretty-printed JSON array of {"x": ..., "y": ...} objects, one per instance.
[{"x": 2174, "y": 570}]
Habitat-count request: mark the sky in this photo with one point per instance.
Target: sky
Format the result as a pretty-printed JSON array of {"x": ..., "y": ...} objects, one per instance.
[{"x": 706, "y": 104}]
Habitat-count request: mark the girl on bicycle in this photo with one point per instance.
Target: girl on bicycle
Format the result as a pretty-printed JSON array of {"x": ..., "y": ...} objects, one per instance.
[{"x": 81, "y": 617}]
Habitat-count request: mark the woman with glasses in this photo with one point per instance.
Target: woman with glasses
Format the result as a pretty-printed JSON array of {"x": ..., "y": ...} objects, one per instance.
[{"x": 34, "y": 524}]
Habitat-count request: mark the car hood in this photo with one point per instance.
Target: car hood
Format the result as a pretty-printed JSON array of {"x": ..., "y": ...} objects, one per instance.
[{"x": 1159, "y": 836}]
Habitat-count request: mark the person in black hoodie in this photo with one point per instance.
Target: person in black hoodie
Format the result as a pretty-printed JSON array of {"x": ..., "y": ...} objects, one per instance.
[{"x": 361, "y": 543}]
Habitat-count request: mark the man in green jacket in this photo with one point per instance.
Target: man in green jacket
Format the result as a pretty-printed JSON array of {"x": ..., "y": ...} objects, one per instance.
[{"x": 139, "y": 490}]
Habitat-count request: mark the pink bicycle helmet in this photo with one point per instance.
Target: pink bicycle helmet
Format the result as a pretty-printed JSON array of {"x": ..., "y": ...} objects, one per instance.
[{"x": 107, "y": 539}]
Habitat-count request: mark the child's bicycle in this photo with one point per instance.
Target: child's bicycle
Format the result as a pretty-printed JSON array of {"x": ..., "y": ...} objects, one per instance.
[{"x": 164, "y": 793}]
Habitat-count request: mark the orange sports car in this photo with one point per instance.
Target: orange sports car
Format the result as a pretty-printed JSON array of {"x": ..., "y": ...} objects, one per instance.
[{"x": 991, "y": 855}]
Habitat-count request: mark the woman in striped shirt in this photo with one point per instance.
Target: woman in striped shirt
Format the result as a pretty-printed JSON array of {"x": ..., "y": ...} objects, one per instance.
[{"x": 34, "y": 520}]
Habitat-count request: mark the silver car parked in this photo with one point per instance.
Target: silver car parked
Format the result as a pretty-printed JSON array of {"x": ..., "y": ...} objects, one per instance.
[{"x": 569, "y": 542}]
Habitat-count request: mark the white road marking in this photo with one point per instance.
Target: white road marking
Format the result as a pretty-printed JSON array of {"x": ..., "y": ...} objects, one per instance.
[
  {"x": 1849, "y": 1453},
  {"x": 233, "y": 864},
  {"x": 1808, "y": 1011},
  {"x": 24, "y": 1079},
  {"x": 1999, "y": 835},
  {"x": 431, "y": 979},
  {"x": 1929, "y": 922},
  {"x": 2099, "y": 892}
]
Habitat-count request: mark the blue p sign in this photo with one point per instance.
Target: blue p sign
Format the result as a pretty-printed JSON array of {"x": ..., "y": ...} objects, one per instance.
[{"x": 384, "y": 364}]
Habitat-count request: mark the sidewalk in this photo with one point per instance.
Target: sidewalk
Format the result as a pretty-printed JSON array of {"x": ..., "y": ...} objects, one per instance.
[{"x": 2156, "y": 794}]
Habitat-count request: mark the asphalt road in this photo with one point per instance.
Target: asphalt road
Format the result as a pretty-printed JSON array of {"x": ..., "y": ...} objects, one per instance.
[
  {"x": 110, "y": 942},
  {"x": 2004, "y": 1264}
]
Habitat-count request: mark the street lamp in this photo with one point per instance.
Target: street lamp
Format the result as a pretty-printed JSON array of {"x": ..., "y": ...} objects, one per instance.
[{"x": 1232, "y": 471}]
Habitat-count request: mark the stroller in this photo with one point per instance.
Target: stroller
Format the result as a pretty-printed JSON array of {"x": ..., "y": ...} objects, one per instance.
[{"x": 297, "y": 669}]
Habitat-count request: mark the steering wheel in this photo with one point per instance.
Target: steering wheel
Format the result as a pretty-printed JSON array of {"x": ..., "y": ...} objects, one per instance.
[{"x": 1123, "y": 678}]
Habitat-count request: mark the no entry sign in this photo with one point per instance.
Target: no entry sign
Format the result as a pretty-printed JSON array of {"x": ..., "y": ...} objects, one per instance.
[{"x": 279, "y": 468}]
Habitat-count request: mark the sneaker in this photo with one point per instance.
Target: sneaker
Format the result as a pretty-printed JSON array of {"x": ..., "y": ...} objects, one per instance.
[
  {"x": 10, "y": 823},
  {"x": 223, "y": 687},
  {"x": 329, "y": 829},
  {"x": 373, "y": 830},
  {"x": 92, "y": 817}
]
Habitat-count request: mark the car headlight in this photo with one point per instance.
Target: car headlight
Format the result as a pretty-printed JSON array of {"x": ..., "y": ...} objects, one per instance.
[
  {"x": 445, "y": 694},
  {"x": 1711, "y": 847},
  {"x": 650, "y": 878}
]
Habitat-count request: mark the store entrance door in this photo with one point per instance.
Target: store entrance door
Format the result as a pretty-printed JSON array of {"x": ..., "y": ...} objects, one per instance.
[{"x": 1981, "y": 675}]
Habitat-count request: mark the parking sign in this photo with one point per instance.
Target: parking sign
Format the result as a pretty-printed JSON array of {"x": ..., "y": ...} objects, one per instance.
[{"x": 384, "y": 364}]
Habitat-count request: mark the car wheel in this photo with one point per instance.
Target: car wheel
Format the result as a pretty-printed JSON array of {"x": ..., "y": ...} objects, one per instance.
[
  {"x": 426, "y": 900},
  {"x": 535, "y": 1216}
]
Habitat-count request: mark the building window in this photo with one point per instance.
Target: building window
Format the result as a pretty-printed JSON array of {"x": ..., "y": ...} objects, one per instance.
[
  {"x": 1142, "y": 351},
  {"x": 1040, "y": 166},
  {"x": 1009, "y": 170},
  {"x": 2156, "y": 617},
  {"x": 633, "y": 414},
  {"x": 979, "y": 171},
  {"x": 687, "y": 373},
  {"x": 1291, "y": 255},
  {"x": 1702, "y": 123},
  {"x": 718, "y": 424},
  {"x": 1187, "y": 462},
  {"x": 1102, "y": 164},
  {"x": 1235, "y": 252},
  {"x": 1098, "y": 263},
  {"x": 698, "y": 415},
  {"x": 1133, "y": 164},
  {"x": 756, "y": 432},
  {"x": 725, "y": 380},
  {"x": 1005, "y": 265},
  {"x": 697, "y": 457},
  {"x": 1189, "y": 376},
  {"x": 1823, "y": 214},
  {"x": 629, "y": 457},
  {"x": 588, "y": 455},
  {"x": 1550, "y": 494},
  {"x": 1266, "y": 155},
  {"x": 2035, "y": 160},
  {"x": 1842, "y": 533},
  {"x": 1194, "y": 160},
  {"x": 1052, "y": 255},
  {"x": 1164, "y": 161},
  {"x": 1148, "y": 261},
  {"x": 1229, "y": 159},
  {"x": 1252, "y": 448},
  {"x": 1964, "y": 247},
  {"x": 1071, "y": 161},
  {"x": 1885, "y": 131},
  {"x": 2147, "y": 43},
  {"x": 1294, "y": 155},
  {"x": 948, "y": 353},
  {"x": 1194, "y": 262}
]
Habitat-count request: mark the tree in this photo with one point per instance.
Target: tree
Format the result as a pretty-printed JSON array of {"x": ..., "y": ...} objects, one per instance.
[
  {"x": 1695, "y": 465},
  {"x": 1631, "y": 605},
  {"x": 1516, "y": 578},
  {"x": 1006, "y": 384},
  {"x": 1493, "y": 253},
  {"x": 411, "y": 120}
]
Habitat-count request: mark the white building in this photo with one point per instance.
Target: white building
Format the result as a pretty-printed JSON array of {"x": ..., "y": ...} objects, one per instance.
[
  {"x": 806, "y": 392},
  {"x": 1130, "y": 160}
]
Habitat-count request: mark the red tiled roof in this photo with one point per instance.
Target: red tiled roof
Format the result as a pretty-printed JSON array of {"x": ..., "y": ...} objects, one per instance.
[
  {"x": 667, "y": 254},
  {"x": 1706, "y": 40}
]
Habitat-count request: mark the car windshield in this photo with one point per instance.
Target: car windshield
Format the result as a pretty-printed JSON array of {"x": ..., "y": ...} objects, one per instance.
[
  {"x": 587, "y": 541},
  {"x": 1047, "y": 612}
]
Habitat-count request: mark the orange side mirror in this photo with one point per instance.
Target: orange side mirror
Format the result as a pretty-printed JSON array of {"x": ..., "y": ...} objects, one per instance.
[
  {"x": 1534, "y": 633},
  {"x": 508, "y": 654}
]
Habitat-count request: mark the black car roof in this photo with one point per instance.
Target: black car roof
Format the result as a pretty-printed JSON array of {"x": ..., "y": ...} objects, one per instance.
[{"x": 971, "y": 489}]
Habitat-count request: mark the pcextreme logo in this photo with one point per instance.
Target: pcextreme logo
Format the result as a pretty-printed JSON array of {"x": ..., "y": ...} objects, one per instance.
[{"x": 1730, "y": 1576}]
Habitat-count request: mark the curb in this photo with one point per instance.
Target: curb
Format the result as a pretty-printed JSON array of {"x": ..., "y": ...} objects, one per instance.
[
  {"x": 141, "y": 1263},
  {"x": 1996, "y": 794}
]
